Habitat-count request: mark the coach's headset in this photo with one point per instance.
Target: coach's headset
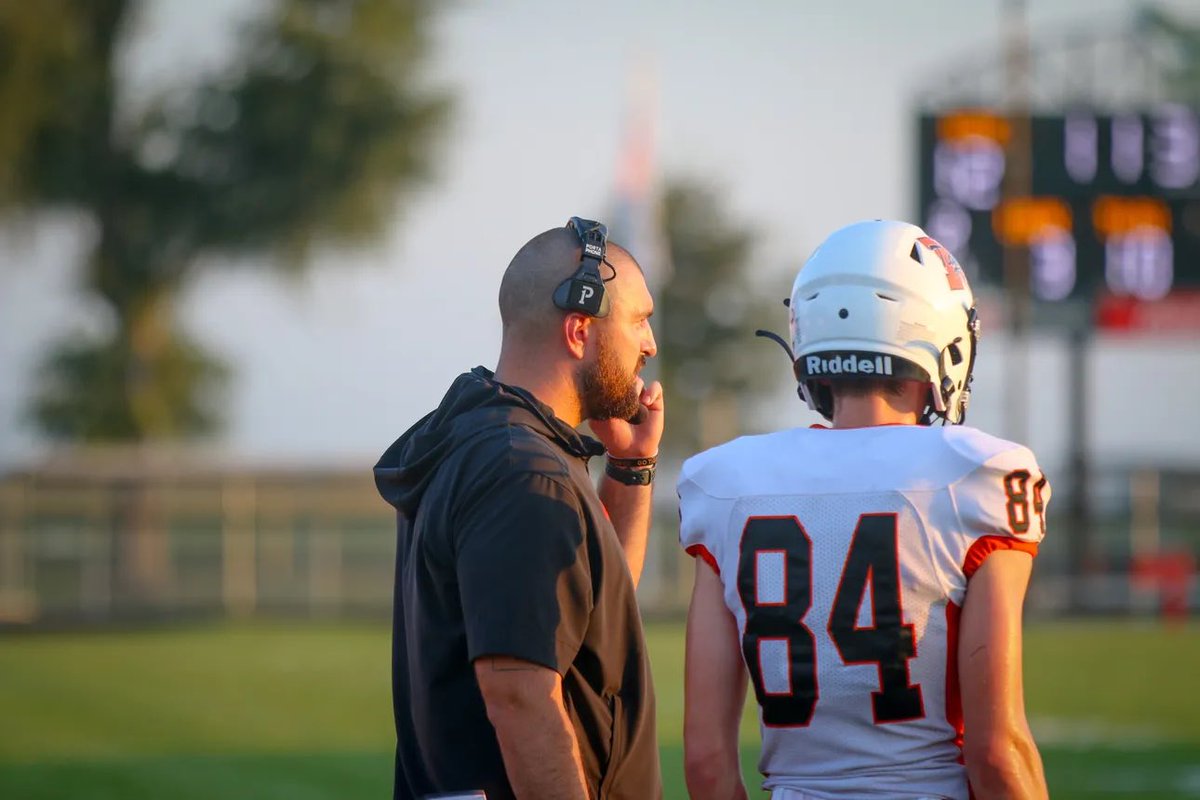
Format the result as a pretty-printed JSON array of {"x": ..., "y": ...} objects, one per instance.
[{"x": 584, "y": 291}]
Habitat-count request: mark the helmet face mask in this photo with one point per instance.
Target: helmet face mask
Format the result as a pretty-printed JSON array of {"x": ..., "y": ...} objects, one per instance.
[{"x": 881, "y": 299}]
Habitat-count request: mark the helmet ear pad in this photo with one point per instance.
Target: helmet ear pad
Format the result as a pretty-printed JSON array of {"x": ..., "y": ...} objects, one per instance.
[{"x": 817, "y": 394}]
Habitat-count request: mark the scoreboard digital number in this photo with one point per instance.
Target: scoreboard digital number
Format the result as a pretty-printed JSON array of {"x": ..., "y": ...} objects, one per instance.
[{"x": 1114, "y": 206}]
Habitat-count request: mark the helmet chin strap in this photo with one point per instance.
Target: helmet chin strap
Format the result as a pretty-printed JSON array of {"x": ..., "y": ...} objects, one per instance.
[
  {"x": 930, "y": 413},
  {"x": 973, "y": 330},
  {"x": 946, "y": 385}
]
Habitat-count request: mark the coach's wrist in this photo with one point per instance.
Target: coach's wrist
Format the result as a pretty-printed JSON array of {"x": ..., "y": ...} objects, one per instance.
[{"x": 631, "y": 471}]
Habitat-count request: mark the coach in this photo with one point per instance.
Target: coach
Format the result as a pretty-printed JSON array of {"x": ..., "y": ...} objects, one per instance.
[{"x": 518, "y": 661}]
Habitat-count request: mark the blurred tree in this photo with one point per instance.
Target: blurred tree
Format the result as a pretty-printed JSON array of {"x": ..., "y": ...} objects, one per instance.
[
  {"x": 311, "y": 135},
  {"x": 1184, "y": 77},
  {"x": 710, "y": 361}
]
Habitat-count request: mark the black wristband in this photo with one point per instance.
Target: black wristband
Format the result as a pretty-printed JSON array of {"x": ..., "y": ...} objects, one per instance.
[
  {"x": 630, "y": 477},
  {"x": 633, "y": 463}
]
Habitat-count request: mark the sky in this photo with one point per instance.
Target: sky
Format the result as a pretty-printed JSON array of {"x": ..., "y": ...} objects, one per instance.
[{"x": 801, "y": 112}]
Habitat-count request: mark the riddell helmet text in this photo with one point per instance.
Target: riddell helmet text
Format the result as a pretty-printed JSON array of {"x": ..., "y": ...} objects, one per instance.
[{"x": 853, "y": 365}]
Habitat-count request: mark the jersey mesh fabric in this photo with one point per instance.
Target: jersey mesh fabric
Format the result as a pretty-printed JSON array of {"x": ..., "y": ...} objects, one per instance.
[
  {"x": 771, "y": 584},
  {"x": 946, "y": 489},
  {"x": 842, "y": 736}
]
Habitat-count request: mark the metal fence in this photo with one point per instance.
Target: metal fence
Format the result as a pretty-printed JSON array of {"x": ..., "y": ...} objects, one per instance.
[
  {"x": 98, "y": 539},
  {"x": 127, "y": 540}
]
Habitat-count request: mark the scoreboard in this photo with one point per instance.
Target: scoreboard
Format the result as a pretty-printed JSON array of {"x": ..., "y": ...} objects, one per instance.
[{"x": 1114, "y": 207}]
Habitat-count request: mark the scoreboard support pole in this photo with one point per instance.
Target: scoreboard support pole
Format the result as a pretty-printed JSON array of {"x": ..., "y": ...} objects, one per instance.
[
  {"x": 1079, "y": 531},
  {"x": 1018, "y": 182}
]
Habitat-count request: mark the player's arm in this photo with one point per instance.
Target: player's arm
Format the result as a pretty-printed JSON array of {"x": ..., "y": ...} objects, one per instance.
[
  {"x": 1001, "y": 756},
  {"x": 525, "y": 705},
  {"x": 629, "y": 508},
  {"x": 714, "y": 694}
]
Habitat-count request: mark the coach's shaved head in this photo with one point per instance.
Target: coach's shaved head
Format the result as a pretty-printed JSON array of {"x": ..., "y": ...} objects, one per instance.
[
  {"x": 582, "y": 367},
  {"x": 527, "y": 289}
]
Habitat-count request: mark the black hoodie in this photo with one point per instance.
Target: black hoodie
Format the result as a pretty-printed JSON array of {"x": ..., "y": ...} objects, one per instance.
[{"x": 504, "y": 548}]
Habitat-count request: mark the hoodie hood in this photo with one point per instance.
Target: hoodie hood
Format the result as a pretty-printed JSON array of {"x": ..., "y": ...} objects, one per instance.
[{"x": 476, "y": 402}]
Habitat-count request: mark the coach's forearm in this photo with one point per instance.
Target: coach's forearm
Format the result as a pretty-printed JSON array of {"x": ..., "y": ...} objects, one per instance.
[
  {"x": 525, "y": 705},
  {"x": 630, "y": 508}
]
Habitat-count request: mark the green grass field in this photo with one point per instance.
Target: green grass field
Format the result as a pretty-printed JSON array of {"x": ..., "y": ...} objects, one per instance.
[{"x": 270, "y": 711}]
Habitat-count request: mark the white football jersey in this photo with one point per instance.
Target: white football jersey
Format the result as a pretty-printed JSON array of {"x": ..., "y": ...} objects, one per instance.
[{"x": 845, "y": 556}]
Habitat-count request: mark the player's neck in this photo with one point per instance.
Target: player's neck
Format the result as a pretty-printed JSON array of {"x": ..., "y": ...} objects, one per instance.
[{"x": 872, "y": 409}]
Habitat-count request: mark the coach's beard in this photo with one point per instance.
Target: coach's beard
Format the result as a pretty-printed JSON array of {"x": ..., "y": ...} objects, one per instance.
[{"x": 606, "y": 391}]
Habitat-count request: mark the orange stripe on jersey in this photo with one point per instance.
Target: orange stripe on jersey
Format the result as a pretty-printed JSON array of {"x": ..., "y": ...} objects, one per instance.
[
  {"x": 986, "y": 545},
  {"x": 701, "y": 552},
  {"x": 954, "y": 714}
]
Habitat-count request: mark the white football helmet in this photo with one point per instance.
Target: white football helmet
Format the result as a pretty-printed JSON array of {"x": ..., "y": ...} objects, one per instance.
[{"x": 883, "y": 299}]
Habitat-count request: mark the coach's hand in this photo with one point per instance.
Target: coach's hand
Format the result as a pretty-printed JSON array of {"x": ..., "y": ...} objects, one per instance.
[{"x": 625, "y": 440}]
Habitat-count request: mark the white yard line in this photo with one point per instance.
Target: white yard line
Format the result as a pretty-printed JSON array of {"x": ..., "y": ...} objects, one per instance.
[{"x": 1074, "y": 732}]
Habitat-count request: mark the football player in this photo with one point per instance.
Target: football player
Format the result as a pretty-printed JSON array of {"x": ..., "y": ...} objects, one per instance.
[{"x": 867, "y": 577}]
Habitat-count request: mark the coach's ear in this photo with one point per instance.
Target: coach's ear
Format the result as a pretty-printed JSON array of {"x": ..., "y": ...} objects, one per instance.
[{"x": 576, "y": 330}]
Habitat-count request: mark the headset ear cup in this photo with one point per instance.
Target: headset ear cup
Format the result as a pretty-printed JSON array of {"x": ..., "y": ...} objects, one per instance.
[
  {"x": 584, "y": 291},
  {"x": 561, "y": 293},
  {"x": 581, "y": 294}
]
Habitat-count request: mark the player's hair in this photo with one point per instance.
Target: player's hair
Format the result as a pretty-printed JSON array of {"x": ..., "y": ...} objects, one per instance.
[
  {"x": 531, "y": 276},
  {"x": 862, "y": 387}
]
